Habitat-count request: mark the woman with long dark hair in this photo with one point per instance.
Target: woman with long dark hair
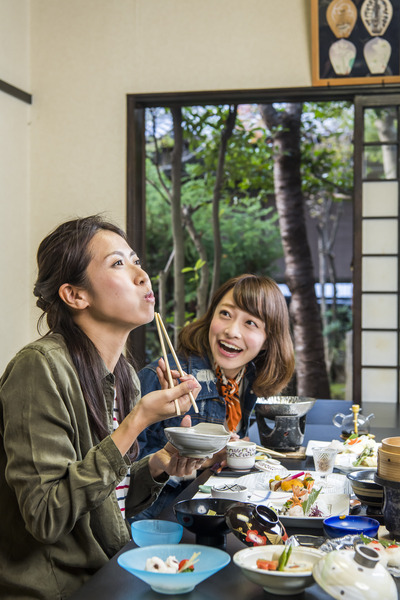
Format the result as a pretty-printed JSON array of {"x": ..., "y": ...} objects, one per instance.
[{"x": 71, "y": 412}]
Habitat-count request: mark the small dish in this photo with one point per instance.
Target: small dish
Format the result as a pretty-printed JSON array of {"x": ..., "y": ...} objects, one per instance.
[
  {"x": 337, "y": 526},
  {"x": 156, "y": 531},
  {"x": 210, "y": 561},
  {"x": 201, "y": 441},
  {"x": 235, "y": 491},
  {"x": 278, "y": 582}
]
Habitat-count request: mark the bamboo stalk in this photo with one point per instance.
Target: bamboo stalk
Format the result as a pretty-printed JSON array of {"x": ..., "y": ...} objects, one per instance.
[
  {"x": 170, "y": 380},
  {"x": 181, "y": 373}
]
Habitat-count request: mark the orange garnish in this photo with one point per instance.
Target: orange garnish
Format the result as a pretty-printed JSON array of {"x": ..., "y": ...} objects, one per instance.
[{"x": 286, "y": 486}]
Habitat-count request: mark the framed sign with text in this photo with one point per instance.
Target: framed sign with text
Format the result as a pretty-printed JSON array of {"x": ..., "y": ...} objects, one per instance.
[{"x": 355, "y": 42}]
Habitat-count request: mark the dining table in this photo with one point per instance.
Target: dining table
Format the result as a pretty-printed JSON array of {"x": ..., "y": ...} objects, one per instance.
[{"x": 112, "y": 581}]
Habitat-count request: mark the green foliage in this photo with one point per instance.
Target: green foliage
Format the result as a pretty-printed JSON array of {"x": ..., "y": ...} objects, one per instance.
[
  {"x": 327, "y": 151},
  {"x": 249, "y": 228}
]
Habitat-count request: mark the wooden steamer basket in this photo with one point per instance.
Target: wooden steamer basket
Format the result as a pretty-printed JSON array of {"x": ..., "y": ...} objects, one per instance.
[{"x": 389, "y": 459}]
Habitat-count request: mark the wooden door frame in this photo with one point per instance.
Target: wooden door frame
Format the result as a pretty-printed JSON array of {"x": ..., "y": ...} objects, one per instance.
[
  {"x": 362, "y": 101},
  {"x": 136, "y": 186}
]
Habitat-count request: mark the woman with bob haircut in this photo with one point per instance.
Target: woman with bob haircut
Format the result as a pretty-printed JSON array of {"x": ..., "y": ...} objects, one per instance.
[{"x": 241, "y": 348}]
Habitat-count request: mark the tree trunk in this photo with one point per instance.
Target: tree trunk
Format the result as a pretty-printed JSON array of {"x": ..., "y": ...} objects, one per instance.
[
  {"x": 312, "y": 378},
  {"x": 162, "y": 284},
  {"x": 177, "y": 229},
  {"x": 225, "y": 135},
  {"x": 202, "y": 288}
]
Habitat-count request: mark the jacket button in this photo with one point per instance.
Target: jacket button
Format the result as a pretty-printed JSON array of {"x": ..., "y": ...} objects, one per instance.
[{"x": 123, "y": 471}]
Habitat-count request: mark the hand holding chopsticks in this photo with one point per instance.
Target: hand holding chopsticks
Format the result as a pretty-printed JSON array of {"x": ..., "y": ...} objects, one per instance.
[{"x": 162, "y": 331}]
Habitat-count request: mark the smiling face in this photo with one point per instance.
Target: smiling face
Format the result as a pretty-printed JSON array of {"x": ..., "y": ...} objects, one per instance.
[
  {"x": 119, "y": 292},
  {"x": 235, "y": 336}
]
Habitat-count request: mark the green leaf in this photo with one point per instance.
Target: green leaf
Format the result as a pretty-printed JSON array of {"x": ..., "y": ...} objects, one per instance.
[{"x": 310, "y": 500}]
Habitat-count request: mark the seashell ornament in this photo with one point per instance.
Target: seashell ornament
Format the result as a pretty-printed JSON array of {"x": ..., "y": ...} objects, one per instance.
[
  {"x": 341, "y": 16},
  {"x": 342, "y": 55},
  {"x": 377, "y": 54},
  {"x": 376, "y": 16}
]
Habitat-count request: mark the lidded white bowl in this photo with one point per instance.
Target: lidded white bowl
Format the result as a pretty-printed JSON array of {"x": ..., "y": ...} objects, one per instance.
[{"x": 348, "y": 575}]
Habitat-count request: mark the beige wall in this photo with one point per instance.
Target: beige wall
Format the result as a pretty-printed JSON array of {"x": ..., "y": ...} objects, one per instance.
[
  {"x": 15, "y": 276},
  {"x": 85, "y": 57}
]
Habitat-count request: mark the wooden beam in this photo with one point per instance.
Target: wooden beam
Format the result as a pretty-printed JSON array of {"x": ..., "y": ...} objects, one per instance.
[{"x": 7, "y": 88}]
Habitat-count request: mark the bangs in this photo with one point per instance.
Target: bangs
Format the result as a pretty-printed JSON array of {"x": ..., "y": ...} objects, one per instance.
[{"x": 247, "y": 297}]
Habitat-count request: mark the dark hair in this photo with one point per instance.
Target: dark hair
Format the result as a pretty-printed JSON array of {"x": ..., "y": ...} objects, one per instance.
[
  {"x": 63, "y": 257},
  {"x": 261, "y": 297}
]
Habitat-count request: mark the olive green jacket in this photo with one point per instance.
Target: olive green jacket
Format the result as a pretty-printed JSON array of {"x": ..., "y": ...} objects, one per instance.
[{"x": 60, "y": 520}]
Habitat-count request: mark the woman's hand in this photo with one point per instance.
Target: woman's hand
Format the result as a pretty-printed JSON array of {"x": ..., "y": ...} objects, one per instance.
[
  {"x": 153, "y": 407},
  {"x": 160, "y": 404},
  {"x": 163, "y": 376},
  {"x": 176, "y": 377},
  {"x": 168, "y": 460}
]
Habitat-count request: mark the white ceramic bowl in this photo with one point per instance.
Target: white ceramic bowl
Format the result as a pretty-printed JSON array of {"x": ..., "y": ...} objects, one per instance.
[
  {"x": 210, "y": 561},
  {"x": 201, "y": 441},
  {"x": 282, "y": 583},
  {"x": 234, "y": 491}
]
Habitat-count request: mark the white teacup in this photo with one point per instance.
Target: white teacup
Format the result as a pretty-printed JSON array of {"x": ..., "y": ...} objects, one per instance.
[{"x": 241, "y": 455}]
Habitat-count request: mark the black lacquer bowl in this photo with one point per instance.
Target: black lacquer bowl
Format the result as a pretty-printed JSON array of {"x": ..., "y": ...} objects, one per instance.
[{"x": 205, "y": 518}]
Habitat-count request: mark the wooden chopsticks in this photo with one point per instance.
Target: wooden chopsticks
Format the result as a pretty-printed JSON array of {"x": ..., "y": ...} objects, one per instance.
[
  {"x": 161, "y": 330},
  {"x": 271, "y": 452}
]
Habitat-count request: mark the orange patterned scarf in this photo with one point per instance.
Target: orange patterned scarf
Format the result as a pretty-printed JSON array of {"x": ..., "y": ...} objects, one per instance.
[{"x": 229, "y": 389}]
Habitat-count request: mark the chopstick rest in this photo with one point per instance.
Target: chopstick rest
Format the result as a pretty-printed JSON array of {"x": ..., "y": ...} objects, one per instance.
[{"x": 161, "y": 326}]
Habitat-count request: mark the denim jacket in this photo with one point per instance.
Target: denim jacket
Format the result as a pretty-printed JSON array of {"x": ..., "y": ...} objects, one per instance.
[{"x": 211, "y": 405}]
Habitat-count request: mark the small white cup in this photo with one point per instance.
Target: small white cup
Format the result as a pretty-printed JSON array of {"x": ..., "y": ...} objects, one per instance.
[
  {"x": 241, "y": 455},
  {"x": 236, "y": 492}
]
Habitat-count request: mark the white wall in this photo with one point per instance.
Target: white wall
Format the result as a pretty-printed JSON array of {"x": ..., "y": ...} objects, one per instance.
[
  {"x": 85, "y": 57},
  {"x": 15, "y": 276}
]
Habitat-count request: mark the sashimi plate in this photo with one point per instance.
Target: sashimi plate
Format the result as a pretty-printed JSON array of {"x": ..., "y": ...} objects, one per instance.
[{"x": 329, "y": 504}]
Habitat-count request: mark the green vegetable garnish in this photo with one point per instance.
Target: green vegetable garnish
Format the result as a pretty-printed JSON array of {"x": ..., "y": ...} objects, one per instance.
[
  {"x": 366, "y": 452},
  {"x": 385, "y": 543},
  {"x": 284, "y": 557}
]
